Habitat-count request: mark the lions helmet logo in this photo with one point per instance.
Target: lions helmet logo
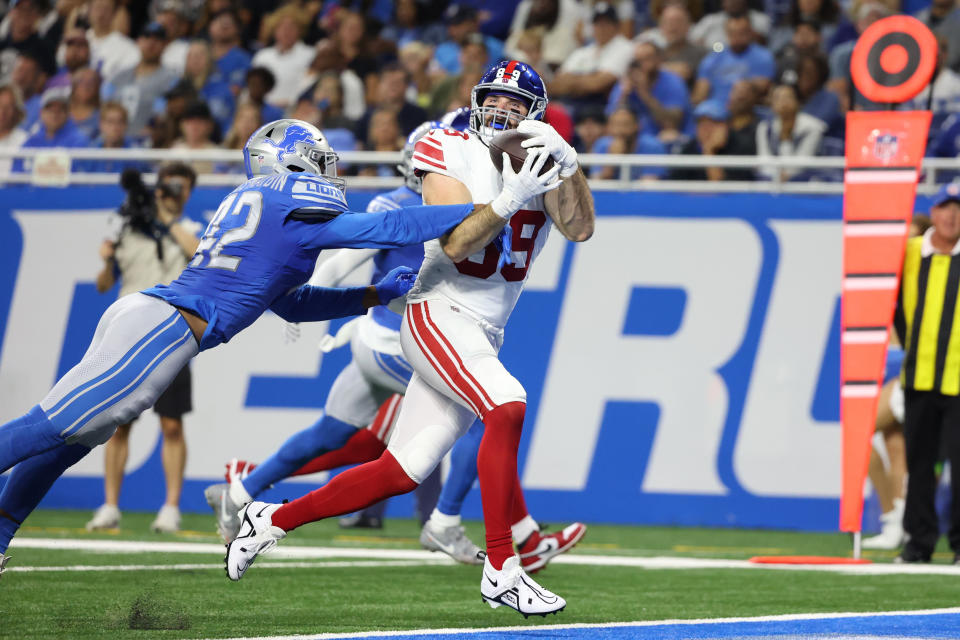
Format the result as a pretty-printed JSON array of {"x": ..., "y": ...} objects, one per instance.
[{"x": 291, "y": 136}]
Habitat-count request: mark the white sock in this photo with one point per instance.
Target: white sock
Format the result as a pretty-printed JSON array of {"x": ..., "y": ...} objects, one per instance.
[
  {"x": 524, "y": 529},
  {"x": 442, "y": 520},
  {"x": 239, "y": 494}
]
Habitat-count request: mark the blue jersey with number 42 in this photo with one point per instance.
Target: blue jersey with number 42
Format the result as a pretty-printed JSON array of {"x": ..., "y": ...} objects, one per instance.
[{"x": 264, "y": 240}]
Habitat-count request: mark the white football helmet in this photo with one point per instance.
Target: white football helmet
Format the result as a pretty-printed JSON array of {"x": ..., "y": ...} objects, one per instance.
[{"x": 290, "y": 145}]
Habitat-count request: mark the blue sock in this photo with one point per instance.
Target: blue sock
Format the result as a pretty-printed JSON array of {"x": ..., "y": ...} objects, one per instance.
[
  {"x": 326, "y": 434},
  {"x": 463, "y": 471},
  {"x": 27, "y": 436},
  {"x": 29, "y": 482}
]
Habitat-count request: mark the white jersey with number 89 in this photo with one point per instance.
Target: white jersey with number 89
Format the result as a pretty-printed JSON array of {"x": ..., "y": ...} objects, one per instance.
[{"x": 476, "y": 284}]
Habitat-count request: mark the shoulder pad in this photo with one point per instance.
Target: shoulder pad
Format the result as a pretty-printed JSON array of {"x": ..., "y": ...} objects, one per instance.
[
  {"x": 314, "y": 191},
  {"x": 440, "y": 151}
]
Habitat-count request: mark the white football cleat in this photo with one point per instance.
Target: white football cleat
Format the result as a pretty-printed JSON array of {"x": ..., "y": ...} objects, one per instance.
[
  {"x": 225, "y": 510},
  {"x": 167, "y": 520},
  {"x": 226, "y": 500},
  {"x": 453, "y": 541},
  {"x": 107, "y": 516},
  {"x": 512, "y": 587},
  {"x": 3, "y": 563},
  {"x": 257, "y": 535}
]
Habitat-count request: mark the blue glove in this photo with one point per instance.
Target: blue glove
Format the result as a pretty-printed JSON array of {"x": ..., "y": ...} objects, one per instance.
[{"x": 395, "y": 284}]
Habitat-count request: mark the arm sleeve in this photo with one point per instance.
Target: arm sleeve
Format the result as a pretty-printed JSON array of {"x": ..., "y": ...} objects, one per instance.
[
  {"x": 312, "y": 304},
  {"x": 387, "y": 230}
]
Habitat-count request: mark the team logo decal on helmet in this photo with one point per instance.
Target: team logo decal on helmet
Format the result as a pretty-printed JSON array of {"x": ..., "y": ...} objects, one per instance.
[
  {"x": 291, "y": 136},
  {"x": 509, "y": 78}
]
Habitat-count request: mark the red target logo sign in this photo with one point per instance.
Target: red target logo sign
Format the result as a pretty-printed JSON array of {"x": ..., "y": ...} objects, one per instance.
[{"x": 894, "y": 59}]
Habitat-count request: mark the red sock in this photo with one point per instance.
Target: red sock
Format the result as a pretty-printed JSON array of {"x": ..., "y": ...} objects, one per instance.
[
  {"x": 519, "y": 502},
  {"x": 349, "y": 491},
  {"x": 363, "y": 446},
  {"x": 497, "y": 469}
]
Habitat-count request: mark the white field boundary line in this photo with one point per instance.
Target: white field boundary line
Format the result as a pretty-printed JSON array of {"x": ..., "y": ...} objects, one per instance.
[
  {"x": 219, "y": 566},
  {"x": 792, "y": 617},
  {"x": 322, "y": 553}
]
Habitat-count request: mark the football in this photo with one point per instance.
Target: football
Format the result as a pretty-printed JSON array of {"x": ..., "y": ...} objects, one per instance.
[{"x": 509, "y": 142}]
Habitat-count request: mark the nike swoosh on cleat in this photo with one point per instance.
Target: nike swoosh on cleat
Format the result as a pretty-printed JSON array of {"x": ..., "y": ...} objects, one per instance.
[
  {"x": 446, "y": 548},
  {"x": 262, "y": 510},
  {"x": 489, "y": 579},
  {"x": 546, "y": 546}
]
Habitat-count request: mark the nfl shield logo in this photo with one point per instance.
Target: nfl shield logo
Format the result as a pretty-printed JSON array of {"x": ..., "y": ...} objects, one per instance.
[{"x": 885, "y": 146}]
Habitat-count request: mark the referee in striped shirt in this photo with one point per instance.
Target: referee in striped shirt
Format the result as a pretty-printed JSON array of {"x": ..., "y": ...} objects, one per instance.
[{"x": 927, "y": 321}]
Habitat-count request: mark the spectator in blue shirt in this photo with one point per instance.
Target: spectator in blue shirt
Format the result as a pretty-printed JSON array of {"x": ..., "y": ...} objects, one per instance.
[
  {"x": 55, "y": 128},
  {"x": 32, "y": 69},
  {"x": 821, "y": 103},
  {"x": 409, "y": 26},
  {"x": 588, "y": 129},
  {"x": 658, "y": 97},
  {"x": 85, "y": 101},
  {"x": 231, "y": 60},
  {"x": 260, "y": 81},
  {"x": 711, "y": 138},
  {"x": 945, "y": 143},
  {"x": 624, "y": 136},
  {"x": 741, "y": 59},
  {"x": 113, "y": 135},
  {"x": 198, "y": 70},
  {"x": 462, "y": 20},
  {"x": 76, "y": 55}
]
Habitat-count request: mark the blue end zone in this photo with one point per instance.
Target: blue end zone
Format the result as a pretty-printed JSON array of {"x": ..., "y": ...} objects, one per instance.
[{"x": 941, "y": 625}]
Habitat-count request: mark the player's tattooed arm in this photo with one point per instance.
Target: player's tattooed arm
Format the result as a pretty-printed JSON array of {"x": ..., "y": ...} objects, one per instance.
[
  {"x": 476, "y": 231},
  {"x": 571, "y": 208}
]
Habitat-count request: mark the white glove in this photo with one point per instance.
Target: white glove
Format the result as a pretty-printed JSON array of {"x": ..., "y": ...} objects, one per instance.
[
  {"x": 328, "y": 343},
  {"x": 547, "y": 137},
  {"x": 291, "y": 332},
  {"x": 528, "y": 183}
]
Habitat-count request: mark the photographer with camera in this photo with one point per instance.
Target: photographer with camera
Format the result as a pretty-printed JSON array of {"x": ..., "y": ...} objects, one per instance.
[{"x": 153, "y": 246}]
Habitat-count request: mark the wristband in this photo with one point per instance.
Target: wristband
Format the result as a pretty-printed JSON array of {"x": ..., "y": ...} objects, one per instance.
[{"x": 504, "y": 205}]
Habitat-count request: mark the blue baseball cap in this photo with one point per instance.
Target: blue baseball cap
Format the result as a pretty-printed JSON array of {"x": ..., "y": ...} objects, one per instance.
[
  {"x": 946, "y": 193},
  {"x": 713, "y": 109}
]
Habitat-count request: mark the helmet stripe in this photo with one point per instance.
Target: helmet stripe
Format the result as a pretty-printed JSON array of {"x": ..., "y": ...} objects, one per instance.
[{"x": 509, "y": 70}]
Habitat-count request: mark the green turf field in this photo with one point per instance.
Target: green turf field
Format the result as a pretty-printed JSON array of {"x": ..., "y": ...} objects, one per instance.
[{"x": 198, "y": 601}]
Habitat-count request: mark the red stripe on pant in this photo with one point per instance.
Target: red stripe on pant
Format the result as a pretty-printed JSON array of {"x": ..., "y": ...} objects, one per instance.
[
  {"x": 489, "y": 404},
  {"x": 386, "y": 414},
  {"x": 439, "y": 360}
]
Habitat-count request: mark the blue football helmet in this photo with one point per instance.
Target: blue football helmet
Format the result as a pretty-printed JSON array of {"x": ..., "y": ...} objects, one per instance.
[
  {"x": 410, "y": 178},
  {"x": 458, "y": 119},
  {"x": 511, "y": 78},
  {"x": 289, "y": 145}
]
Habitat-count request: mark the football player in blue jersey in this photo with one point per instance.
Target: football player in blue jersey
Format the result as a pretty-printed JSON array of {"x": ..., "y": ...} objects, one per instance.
[
  {"x": 377, "y": 372},
  {"x": 256, "y": 254}
]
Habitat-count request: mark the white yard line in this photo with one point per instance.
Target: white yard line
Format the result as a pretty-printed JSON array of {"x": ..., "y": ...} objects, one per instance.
[
  {"x": 413, "y": 555},
  {"x": 219, "y": 566},
  {"x": 607, "y": 625}
]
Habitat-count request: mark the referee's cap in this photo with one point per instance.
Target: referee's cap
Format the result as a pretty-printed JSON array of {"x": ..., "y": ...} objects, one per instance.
[{"x": 946, "y": 193}]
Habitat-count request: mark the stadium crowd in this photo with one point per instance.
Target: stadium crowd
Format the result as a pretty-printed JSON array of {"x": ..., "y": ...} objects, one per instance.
[{"x": 712, "y": 77}]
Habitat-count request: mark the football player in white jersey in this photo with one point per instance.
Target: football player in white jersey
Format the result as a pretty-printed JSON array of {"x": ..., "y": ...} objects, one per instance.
[{"x": 453, "y": 329}]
